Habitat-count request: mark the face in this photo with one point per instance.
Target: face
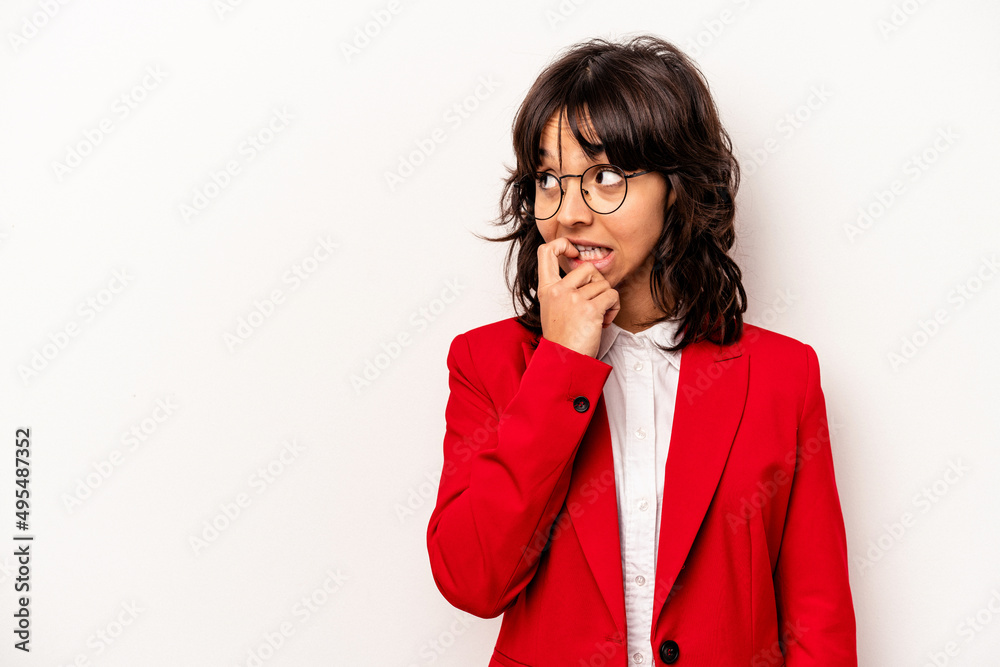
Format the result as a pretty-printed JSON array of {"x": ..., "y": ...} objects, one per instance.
[{"x": 630, "y": 233}]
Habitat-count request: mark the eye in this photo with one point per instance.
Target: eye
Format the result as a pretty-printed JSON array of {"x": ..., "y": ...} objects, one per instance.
[
  {"x": 608, "y": 177},
  {"x": 546, "y": 181}
]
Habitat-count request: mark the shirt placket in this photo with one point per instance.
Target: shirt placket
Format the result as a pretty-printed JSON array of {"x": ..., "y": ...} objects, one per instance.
[{"x": 641, "y": 494}]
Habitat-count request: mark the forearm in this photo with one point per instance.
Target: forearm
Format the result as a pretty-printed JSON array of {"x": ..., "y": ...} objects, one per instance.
[{"x": 502, "y": 486}]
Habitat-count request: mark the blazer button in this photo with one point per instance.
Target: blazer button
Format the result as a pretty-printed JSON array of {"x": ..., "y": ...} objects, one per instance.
[
  {"x": 581, "y": 404},
  {"x": 669, "y": 651}
]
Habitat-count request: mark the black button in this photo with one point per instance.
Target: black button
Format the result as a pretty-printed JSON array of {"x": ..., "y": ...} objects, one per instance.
[
  {"x": 669, "y": 651},
  {"x": 581, "y": 404}
]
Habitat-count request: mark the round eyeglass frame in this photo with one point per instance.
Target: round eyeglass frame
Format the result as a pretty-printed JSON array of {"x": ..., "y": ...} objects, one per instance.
[{"x": 525, "y": 183}]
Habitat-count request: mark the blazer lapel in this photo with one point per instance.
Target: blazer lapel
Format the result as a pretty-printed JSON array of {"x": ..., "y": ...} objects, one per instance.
[{"x": 711, "y": 394}]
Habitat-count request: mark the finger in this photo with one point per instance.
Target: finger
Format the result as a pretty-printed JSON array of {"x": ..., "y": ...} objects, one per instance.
[
  {"x": 584, "y": 274},
  {"x": 610, "y": 297},
  {"x": 605, "y": 297},
  {"x": 594, "y": 288},
  {"x": 548, "y": 259}
]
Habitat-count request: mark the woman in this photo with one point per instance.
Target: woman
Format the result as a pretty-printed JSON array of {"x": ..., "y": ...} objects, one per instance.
[{"x": 617, "y": 481}]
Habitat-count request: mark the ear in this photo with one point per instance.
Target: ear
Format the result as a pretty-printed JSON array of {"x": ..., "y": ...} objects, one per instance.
[{"x": 672, "y": 193}]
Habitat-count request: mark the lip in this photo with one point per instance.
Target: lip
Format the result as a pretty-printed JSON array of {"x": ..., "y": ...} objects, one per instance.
[
  {"x": 599, "y": 264},
  {"x": 586, "y": 243}
]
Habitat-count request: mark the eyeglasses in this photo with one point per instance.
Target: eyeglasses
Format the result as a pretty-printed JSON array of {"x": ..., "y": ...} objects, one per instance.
[{"x": 602, "y": 186}]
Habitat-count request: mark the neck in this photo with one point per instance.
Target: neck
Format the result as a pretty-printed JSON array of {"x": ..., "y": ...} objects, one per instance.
[
  {"x": 632, "y": 316},
  {"x": 636, "y": 305}
]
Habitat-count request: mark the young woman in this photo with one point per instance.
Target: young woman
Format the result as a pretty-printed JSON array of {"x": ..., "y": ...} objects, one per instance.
[{"x": 632, "y": 475}]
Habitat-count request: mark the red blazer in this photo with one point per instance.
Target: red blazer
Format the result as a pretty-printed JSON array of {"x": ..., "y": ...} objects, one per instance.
[{"x": 752, "y": 565}]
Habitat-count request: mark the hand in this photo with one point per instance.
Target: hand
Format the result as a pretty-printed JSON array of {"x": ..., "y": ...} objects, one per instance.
[{"x": 575, "y": 308}]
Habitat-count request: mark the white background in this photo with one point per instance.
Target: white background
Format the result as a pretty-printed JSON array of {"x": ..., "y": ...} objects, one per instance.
[{"x": 353, "y": 496}]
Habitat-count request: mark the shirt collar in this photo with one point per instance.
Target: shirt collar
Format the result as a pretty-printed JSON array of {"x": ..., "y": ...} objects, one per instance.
[{"x": 664, "y": 333}]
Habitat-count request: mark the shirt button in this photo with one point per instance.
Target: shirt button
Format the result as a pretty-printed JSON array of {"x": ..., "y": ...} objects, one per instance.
[
  {"x": 638, "y": 366},
  {"x": 640, "y": 433},
  {"x": 640, "y": 580},
  {"x": 643, "y": 505},
  {"x": 637, "y": 658}
]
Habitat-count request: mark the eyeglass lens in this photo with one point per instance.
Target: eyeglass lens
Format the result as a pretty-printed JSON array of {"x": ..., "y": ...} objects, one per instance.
[{"x": 603, "y": 188}]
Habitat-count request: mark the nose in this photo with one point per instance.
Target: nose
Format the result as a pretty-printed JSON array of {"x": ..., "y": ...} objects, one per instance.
[{"x": 573, "y": 208}]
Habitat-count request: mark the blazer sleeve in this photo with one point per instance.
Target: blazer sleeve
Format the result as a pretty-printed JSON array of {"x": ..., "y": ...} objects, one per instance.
[
  {"x": 811, "y": 579},
  {"x": 506, "y": 473}
]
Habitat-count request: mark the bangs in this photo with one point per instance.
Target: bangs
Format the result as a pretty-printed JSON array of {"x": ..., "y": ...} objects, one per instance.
[{"x": 597, "y": 102}]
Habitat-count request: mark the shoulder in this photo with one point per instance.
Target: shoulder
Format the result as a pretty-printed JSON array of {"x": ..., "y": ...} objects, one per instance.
[
  {"x": 500, "y": 335},
  {"x": 765, "y": 342},
  {"x": 494, "y": 344},
  {"x": 491, "y": 358},
  {"x": 779, "y": 359}
]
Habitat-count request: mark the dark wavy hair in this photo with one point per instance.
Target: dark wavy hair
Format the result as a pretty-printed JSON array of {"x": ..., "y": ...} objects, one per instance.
[{"x": 650, "y": 107}]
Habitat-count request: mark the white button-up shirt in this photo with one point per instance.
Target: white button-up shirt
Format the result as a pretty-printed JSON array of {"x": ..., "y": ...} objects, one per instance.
[{"x": 639, "y": 397}]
